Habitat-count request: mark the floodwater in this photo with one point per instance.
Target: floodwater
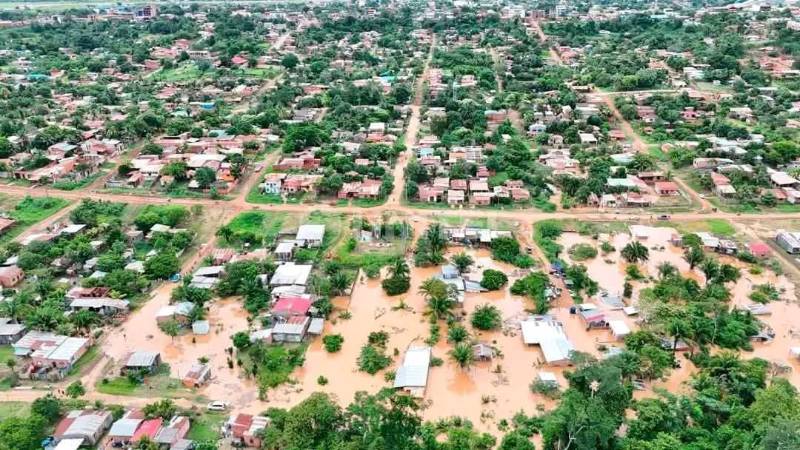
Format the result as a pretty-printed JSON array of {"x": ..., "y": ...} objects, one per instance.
[{"x": 141, "y": 332}]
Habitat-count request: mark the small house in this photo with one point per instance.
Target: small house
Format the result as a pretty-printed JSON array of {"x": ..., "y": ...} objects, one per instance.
[
  {"x": 412, "y": 376},
  {"x": 198, "y": 375},
  {"x": 142, "y": 361}
]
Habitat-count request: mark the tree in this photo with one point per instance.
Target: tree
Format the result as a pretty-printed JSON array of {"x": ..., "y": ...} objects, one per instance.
[
  {"x": 241, "y": 340},
  {"x": 399, "y": 281},
  {"x": 162, "y": 266},
  {"x": 634, "y": 252},
  {"x": 665, "y": 269},
  {"x": 171, "y": 328},
  {"x": 48, "y": 407},
  {"x": 505, "y": 249},
  {"x": 205, "y": 177},
  {"x": 439, "y": 295},
  {"x": 372, "y": 359},
  {"x": 225, "y": 232},
  {"x": 333, "y": 342},
  {"x": 75, "y": 389},
  {"x": 462, "y": 261},
  {"x": 85, "y": 319},
  {"x": 290, "y": 61},
  {"x": 165, "y": 409},
  {"x": 486, "y": 317},
  {"x": 694, "y": 256},
  {"x": 493, "y": 279},
  {"x": 462, "y": 354}
]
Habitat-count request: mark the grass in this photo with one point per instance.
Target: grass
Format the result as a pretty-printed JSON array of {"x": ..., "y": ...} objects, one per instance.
[
  {"x": 28, "y": 211},
  {"x": 6, "y": 353},
  {"x": 157, "y": 385},
  {"x": 261, "y": 226},
  {"x": 14, "y": 409},
  {"x": 718, "y": 227},
  {"x": 85, "y": 361},
  {"x": 205, "y": 427}
]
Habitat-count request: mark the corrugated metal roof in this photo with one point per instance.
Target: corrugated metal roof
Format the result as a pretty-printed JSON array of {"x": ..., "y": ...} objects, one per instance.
[
  {"x": 414, "y": 371},
  {"x": 124, "y": 427},
  {"x": 141, "y": 359}
]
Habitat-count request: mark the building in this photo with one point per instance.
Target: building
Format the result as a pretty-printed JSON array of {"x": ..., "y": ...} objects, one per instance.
[
  {"x": 49, "y": 356},
  {"x": 11, "y": 276},
  {"x": 102, "y": 305},
  {"x": 142, "y": 361},
  {"x": 291, "y": 274},
  {"x": 412, "y": 376},
  {"x": 759, "y": 249},
  {"x": 123, "y": 430},
  {"x": 87, "y": 425},
  {"x": 197, "y": 376},
  {"x": 291, "y": 306},
  {"x": 10, "y": 332},
  {"x": 310, "y": 235},
  {"x": 245, "y": 430},
  {"x": 549, "y": 335},
  {"x": 292, "y": 330}
]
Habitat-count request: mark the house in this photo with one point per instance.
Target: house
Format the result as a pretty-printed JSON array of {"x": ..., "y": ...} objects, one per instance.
[
  {"x": 11, "y": 276},
  {"x": 310, "y": 235},
  {"x": 666, "y": 188},
  {"x": 51, "y": 355},
  {"x": 549, "y": 335},
  {"x": 412, "y": 376},
  {"x": 783, "y": 179},
  {"x": 10, "y": 332},
  {"x": 290, "y": 274},
  {"x": 103, "y": 305},
  {"x": 292, "y": 330},
  {"x": 178, "y": 311},
  {"x": 88, "y": 425},
  {"x": 173, "y": 434},
  {"x": 284, "y": 251},
  {"x": 122, "y": 431},
  {"x": 198, "y": 375},
  {"x": 619, "y": 329},
  {"x": 148, "y": 429},
  {"x": 455, "y": 197},
  {"x": 291, "y": 306},
  {"x": 245, "y": 430},
  {"x": 142, "y": 361}
]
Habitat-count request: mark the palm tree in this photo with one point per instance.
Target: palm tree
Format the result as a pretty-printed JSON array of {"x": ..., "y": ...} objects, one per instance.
[
  {"x": 462, "y": 261},
  {"x": 728, "y": 273},
  {"x": 710, "y": 268},
  {"x": 462, "y": 354},
  {"x": 677, "y": 328},
  {"x": 339, "y": 283},
  {"x": 694, "y": 256},
  {"x": 635, "y": 252},
  {"x": 439, "y": 297},
  {"x": 666, "y": 270},
  {"x": 399, "y": 269},
  {"x": 436, "y": 240}
]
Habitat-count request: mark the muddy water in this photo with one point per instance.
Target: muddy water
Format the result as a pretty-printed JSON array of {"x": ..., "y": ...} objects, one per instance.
[{"x": 226, "y": 317}]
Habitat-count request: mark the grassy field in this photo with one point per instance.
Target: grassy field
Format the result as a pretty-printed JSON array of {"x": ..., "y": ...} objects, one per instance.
[
  {"x": 13, "y": 409},
  {"x": 6, "y": 353},
  {"x": 205, "y": 427},
  {"x": 28, "y": 211},
  {"x": 85, "y": 361},
  {"x": 258, "y": 226},
  {"x": 160, "y": 385}
]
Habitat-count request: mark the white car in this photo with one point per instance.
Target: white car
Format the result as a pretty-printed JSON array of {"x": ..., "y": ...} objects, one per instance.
[{"x": 217, "y": 406}]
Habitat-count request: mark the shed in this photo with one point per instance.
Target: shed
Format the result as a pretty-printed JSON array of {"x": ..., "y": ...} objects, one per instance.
[
  {"x": 619, "y": 328},
  {"x": 201, "y": 327},
  {"x": 316, "y": 326},
  {"x": 293, "y": 330}
]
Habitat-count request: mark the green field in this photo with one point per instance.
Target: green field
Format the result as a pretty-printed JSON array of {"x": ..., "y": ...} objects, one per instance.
[
  {"x": 14, "y": 409},
  {"x": 28, "y": 211}
]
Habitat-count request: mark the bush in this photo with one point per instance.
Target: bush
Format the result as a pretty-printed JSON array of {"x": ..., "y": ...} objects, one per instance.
[
  {"x": 606, "y": 247},
  {"x": 396, "y": 285},
  {"x": 582, "y": 252},
  {"x": 505, "y": 249},
  {"x": 372, "y": 359},
  {"x": 493, "y": 279},
  {"x": 333, "y": 342},
  {"x": 549, "y": 390},
  {"x": 322, "y": 381},
  {"x": 486, "y": 317}
]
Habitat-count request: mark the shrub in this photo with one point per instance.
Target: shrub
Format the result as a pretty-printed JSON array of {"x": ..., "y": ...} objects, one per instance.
[
  {"x": 549, "y": 390},
  {"x": 493, "y": 279},
  {"x": 372, "y": 359},
  {"x": 396, "y": 285},
  {"x": 322, "y": 381},
  {"x": 582, "y": 252},
  {"x": 486, "y": 317},
  {"x": 333, "y": 342}
]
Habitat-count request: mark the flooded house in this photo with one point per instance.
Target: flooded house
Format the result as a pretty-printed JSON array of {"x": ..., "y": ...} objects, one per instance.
[
  {"x": 197, "y": 376},
  {"x": 549, "y": 335},
  {"x": 412, "y": 376}
]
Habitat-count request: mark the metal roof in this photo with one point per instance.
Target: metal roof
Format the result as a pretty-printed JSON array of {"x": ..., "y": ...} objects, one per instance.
[
  {"x": 310, "y": 232},
  {"x": 291, "y": 273},
  {"x": 414, "y": 371},
  {"x": 124, "y": 427},
  {"x": 550, "y": 336},
  {"x": 142, "y": 359}
]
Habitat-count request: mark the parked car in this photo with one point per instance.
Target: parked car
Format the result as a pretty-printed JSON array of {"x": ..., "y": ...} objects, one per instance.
[
  {"x": 663, "y": 217},
  {"x": 217, "y": 406}
]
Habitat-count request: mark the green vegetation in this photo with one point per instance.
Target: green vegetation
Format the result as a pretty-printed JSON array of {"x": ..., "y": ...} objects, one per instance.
[{"x": 29, "y": 211}]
